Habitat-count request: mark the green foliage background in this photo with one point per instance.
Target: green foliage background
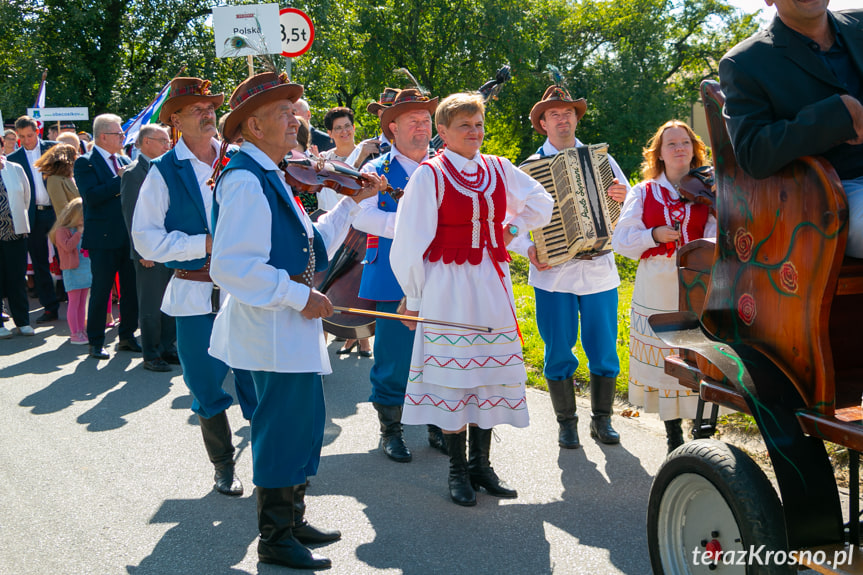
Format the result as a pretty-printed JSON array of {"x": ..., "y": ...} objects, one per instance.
[{"x": 638, "y": 62}]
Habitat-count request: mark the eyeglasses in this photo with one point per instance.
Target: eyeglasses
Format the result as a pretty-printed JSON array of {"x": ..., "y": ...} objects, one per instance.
[
  {"x": 163, "y": 141},
  {"x": 201, "y": 110},
  {"x": 345, "y": 128}
]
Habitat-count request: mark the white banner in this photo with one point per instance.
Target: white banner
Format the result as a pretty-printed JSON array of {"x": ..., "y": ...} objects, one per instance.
[
  {"x": 58, "y": 114},
  {"x": 246, "y": 30}
]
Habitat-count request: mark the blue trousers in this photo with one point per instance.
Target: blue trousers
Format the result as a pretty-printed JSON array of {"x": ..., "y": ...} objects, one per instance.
[
  {"x": 394, "y": 344},
  {"x": 557, "y": 317},
  {"x": 204, "y": 374},
  {"x": 287, "y": 428},
  {"x": 854, "y": 192}
]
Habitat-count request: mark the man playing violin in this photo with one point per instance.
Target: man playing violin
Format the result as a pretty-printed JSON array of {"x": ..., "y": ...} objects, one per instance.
[
  {"x": 407, "y": 123},
  {"x": 171, "y": 225},
  {"x": 584, "y": 289},
  {"x": 265, "y": 253}
]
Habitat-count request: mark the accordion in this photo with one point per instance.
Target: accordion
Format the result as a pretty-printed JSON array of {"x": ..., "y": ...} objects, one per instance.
[{"x": 584, "y": 216}]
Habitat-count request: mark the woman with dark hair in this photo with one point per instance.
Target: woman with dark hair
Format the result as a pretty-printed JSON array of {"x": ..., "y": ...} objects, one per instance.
[
  {"x": 654, "y": 223},
  {"x": 339, "y": 123}
]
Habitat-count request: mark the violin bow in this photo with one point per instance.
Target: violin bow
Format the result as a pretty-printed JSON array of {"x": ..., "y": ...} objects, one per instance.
[{"x": 386, "y": 315}]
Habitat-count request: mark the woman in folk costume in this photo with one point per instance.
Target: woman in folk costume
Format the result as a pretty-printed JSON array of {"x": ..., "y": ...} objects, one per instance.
[
  {"x": 459, "y": 212},
  {"x": 654, "y": 223}
]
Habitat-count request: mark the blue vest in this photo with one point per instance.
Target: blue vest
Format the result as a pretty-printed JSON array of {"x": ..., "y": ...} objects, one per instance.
[
  {"x": 289, "y": 244},
  {"x": 186, "y": 207},
  {"x": 378, "y": 282}
]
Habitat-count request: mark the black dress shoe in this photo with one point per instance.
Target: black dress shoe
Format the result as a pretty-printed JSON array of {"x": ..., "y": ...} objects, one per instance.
[
  {"x": 157, "y": 364},
  {"x": 128, "y": 345},
  {"x": 47, "y": 316},
  {"x": 171, "y": 357},
  {"x": 97, "y": 352}
]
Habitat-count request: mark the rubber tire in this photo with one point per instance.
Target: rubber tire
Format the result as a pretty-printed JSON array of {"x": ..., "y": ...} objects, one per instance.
[{"x": 747, "y": 492}]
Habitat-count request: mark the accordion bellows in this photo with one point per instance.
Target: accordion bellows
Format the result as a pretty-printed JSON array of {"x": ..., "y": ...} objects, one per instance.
[{"x": 584, "y": 216}]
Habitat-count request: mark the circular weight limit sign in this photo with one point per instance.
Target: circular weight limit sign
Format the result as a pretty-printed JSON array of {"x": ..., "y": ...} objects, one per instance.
[{"x": 298, "y": 32}]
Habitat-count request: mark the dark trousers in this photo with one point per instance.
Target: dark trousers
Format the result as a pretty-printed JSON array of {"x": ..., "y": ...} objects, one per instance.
[
  {"x": 13, "y": 279},
  {"x": 158, "y": 330},
  {"x": 105, "y": 264},
  {"x": 37, "y": 245}
]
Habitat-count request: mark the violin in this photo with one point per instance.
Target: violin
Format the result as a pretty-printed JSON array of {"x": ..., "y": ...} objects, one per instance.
[
  {"x": 307, "y": 175},
  {"x": 697, "y": 186}
]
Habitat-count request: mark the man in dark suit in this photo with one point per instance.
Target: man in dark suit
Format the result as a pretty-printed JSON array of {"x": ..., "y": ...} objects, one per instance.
[
  {"x": 795, "y": 89},
  {"x": 97, "y": 174},
  {"x": 317, "y": 137},
  {"x": 41, "y": 214},
  {"x": 158, "y": 330}
]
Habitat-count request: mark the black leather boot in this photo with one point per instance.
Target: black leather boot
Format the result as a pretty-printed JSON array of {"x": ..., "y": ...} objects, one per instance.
[
  {"x": 392, "y": 435},
  {"x": 303, "y": 531},
  {"x": 460, "y": 489},
  {"x": 436, "y": 439},
  {"x": 563, "y": 401},
  {"x": 217, "y": 440},
  {"x": 277, "y": 543},
  {"x": 601, "y": 400},
  {"x": 479, "y": 467},
  {"x": 673, "y": 434}
]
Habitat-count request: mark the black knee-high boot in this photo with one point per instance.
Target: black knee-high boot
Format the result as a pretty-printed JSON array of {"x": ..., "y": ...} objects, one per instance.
[
  {"x": 392, "y": 432},
  {"x": 562, "y": 395},
  {"x": 460, "y": 489},
  {"x": 479, "y": 466},
  {"x": 277, "y": 543},
  {"x": 601, "y": 401},
  {"x": 673, "y": 434},
  {"x": 217, "y": 439},
  {"x": 303, "y": 530},
  {"x": 436, "y": 439}
]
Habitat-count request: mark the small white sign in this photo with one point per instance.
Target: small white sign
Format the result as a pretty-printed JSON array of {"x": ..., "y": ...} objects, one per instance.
[
  {"x": 2, "y": 125},
  {"x": 298, "y": 32},
  {"x": 246, "y": 30},
  {"x": 59, "y": 114}
]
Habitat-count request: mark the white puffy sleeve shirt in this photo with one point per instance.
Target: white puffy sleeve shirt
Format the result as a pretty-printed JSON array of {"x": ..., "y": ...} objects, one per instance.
[
  {"x": 154, "y": 242},
  {"x": 259, "y": 327},
  {"x": 528, "y": 206},
  {"x": 631, "y": 237}
]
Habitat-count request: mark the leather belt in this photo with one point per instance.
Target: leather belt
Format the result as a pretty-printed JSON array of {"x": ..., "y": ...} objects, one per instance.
[
  {"x": 201, "y": 274},
  {"x": 592, "y": 256}
]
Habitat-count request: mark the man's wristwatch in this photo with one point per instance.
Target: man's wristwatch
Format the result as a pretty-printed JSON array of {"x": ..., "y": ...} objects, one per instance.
[{"x": 513, "y": 230}]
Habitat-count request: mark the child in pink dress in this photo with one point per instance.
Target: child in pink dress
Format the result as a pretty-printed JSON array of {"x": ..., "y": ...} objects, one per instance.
[{"x": 75, "y": 263}]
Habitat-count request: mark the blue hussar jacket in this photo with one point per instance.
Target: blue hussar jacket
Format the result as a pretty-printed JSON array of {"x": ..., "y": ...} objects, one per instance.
[
  {"x": 289, "y": 243},
  {"x": 378, "y": 282}
]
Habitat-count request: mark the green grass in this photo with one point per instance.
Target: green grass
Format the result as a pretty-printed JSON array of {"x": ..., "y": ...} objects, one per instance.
[{"x": 533, "y": 345}]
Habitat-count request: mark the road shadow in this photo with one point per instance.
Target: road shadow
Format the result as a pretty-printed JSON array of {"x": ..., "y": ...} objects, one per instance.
[{"x": 211, "y": 535}]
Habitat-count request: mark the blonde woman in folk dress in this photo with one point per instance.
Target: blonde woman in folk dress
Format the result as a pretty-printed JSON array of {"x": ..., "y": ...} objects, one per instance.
[
  {"x": 655, "y": 221},
  {"x": 459, "y": 212}
]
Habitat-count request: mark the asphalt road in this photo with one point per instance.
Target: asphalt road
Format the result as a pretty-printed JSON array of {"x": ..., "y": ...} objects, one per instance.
[{"x": 103, "y": 471}]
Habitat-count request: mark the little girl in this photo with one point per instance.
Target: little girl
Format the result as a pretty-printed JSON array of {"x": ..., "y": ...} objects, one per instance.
[{"x": 66, "y": 235}]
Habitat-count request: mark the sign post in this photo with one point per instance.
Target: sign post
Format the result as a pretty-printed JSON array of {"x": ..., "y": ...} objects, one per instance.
[
  {"x": 297, "y": 34},
  {"x": 246, "y": 30}
]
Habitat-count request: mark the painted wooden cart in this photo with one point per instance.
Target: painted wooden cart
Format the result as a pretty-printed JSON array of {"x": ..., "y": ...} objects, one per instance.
[{"x": 771, "y": 324}]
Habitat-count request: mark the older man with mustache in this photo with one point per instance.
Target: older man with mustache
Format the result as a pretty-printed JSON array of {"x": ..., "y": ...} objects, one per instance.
[{"x": 171, "y": 224}]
